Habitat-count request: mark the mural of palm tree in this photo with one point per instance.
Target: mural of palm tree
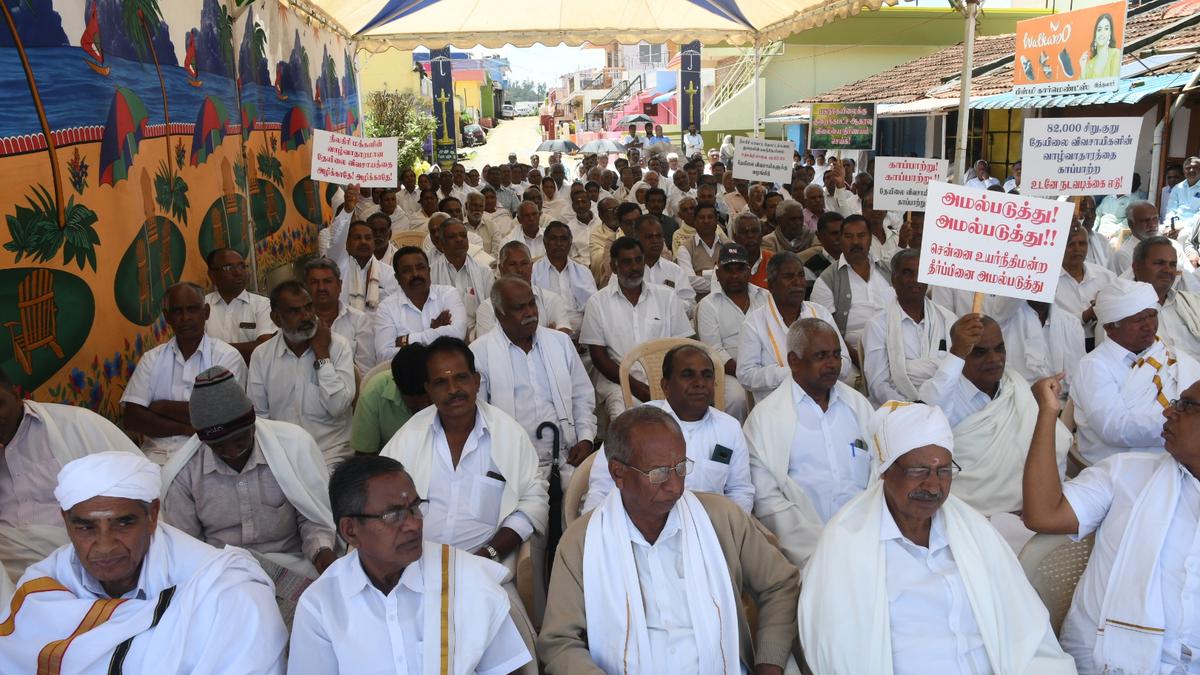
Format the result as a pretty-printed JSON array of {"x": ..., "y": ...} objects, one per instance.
[
  {"x": 142, "y": 19},
  {"x": 48, "y": 224}
]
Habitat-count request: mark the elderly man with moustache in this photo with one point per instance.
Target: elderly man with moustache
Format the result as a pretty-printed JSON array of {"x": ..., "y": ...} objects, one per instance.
[
  {"x": 650, "y": 581},
  {"x": 513, "y": 259},
  {"x": 322, "y": 278},
  {"x": 421, "y": 311},
  {"x": 133, "y": 594},
  {"x": 856, "y": 287},
  {"x": 1155, "y": 262},
  {"x": 907, "y": 578}
]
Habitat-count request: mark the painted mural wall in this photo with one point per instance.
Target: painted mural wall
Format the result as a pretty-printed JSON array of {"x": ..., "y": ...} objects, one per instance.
[{"x": 135, "y": 137}]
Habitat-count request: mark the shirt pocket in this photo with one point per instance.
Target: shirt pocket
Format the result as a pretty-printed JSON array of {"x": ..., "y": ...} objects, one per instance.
[
  {"x": 485, "y": 499},
  {"x": 860, "y": 465},
  {"x": 270, "y": 492},
  {"x": 709, "y": 476}
]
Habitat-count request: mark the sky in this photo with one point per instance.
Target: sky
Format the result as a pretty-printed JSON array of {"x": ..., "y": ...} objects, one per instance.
[{"x": 546, "y": 64}]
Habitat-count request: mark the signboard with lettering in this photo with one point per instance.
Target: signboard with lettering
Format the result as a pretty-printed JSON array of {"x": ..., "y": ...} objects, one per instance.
[
  {"x": 901, "y": 182},
  {"x": 1075, "y": 52},
  {"x": 689, "y": 86},
  {"x": 1066, "y": 156},
  {"x": 758, "y": 159},
  {"x": 842, "y": 126},
  {"x": 441, "y": 75},
  {"x": 366, "y": 162},
  {"x": 993, "y": 242}
]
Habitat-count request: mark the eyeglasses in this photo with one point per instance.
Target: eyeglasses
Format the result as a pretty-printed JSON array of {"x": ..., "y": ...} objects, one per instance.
[
  {"x": 923, "y": 472},
  {"x": 236, "y": 267},
  {"x": 659, "y": 475},
  {"x": 1185, "y": 405},
  {"x": 398, "y": 516}
]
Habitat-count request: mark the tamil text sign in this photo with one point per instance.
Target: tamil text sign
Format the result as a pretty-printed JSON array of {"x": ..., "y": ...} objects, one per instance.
[
  {"x": 367, "y": 162},
  {"x": 1079, "y": 156},
  {"x": 1071, "y": 53},
  {"x": 760, "y": 159},
  {"x": 842, "y": 126},
  {"x": 992, "y": 242},
  {"x": 901, "y": 182}
]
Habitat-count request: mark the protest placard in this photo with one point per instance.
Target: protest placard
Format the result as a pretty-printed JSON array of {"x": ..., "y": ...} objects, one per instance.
[
  {"x": 366, "y": 162},
  {"x": 760, "y": 159},
  {"x": 1079, "y": 156},
  {"x": 992, "y": 242},
  {"x": 842, "y": 126},
  {"x": 1075, "y": 52},
  {"x": 901, "y": 182}
]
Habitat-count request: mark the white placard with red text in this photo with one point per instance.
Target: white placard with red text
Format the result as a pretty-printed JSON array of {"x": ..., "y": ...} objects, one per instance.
[
  {"x": 992, "y": 242},
  {"x": 366, "y": 162},
  {"x": 901, "y": 182}
]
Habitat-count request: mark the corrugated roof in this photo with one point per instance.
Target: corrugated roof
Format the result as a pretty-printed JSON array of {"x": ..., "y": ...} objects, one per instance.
[{"x": 1132, "y": 90}]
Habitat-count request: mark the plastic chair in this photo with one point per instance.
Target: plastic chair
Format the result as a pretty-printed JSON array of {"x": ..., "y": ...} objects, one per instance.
[
  {"x": 577, "y": 490},
  {"x": 409, "y": 238},
  {"x": 650, "y": 354},
  {"x": 1053, "y": 563}
]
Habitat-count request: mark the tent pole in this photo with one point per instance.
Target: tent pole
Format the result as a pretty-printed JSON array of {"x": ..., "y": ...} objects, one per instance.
[
  {"x": 757, "y": 63},
  {"x": 970, "y": 7}
]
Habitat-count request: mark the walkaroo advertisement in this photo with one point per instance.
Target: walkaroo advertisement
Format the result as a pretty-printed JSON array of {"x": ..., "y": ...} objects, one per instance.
[{"x": 1075, "y": 52}]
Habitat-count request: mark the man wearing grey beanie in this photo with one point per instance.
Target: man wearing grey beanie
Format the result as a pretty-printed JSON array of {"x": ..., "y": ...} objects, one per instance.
[{"x": 248, "y": 481}]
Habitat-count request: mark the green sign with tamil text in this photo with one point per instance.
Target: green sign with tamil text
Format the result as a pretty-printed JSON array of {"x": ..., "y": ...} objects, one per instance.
[{"x": 842, "y": 126}]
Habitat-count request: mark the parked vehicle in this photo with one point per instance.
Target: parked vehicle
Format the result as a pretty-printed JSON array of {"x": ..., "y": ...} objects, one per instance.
[
  {"x": 473, "y": 135},
  {"x": 524, "y": 108},
  {"x": 507, "y": 112}
]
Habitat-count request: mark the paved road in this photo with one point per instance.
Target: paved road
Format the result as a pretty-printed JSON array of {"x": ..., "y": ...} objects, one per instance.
[{"x": 520, "y": 135}]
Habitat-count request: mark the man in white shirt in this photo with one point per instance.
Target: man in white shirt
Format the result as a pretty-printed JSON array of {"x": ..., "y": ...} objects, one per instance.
[
  {"x": 693, "y": 142},
  {"x": 237, "y": 317},
  {"x": 762, "y": 362},
  {"x": 408, "y": 195},
  {"x": 366, "y": 280},
  {"x": 1183, "y": 208},
  {"x": 1133, "y": 610},
  {"x": 155, "y": 402},
  {"x": 529, "y": 229},
  {"x": 457, "y": 269},
  {"x": 838, "y": 196},
  {"x": 498, "y": 221},
  {"x": 535, "y": 375},
  {"x": 715, "y": 443},
  {"x": 1080, "y": 280},
  {"x": 624, "y": 315},
  {"x": 397, "y": 602},
  {"x": 659, "y": 270},
  {"x": 981, "y": 176},
  {"x": 856, "y": 287},
  {"x": 1100, "y": 247},
  {"x": 697, "y": 253},
  {"x": 1122, "y": 388},
  {"x": 305, "y": 374},
  {"x": 721, "y": 315},
  {"x": 420, "y": 312},
  {"x": 397, "y": 217},
  {"x": 1155, "y": 262},
  {"x": 1042, "y": 339},
  {"x": 322, "y": 278},
  {"x": 909, "y": 579},
  {"x": 808, "y": 441},
  {"x": 513, "y": 260},
  {"x": 905, "y": 344},
  {"x": 1143, "y": 223},
  {"x": 557, "y": 272}
]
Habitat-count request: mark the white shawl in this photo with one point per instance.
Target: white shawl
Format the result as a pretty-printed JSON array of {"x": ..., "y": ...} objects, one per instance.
[
  {"x": 1154, "y": 376},
  {"x": 298, "y": 466},
  {"x": 909, "y": 374},
  {"x": 457, "y": 584},
  {"x": 511, "y": 450},
  {"x": 779, "y": 503},
  {"x": 618, "y": 638},
  {"x": 845, "y": 624},
  {"x": 991, "y": 445},
  {"x": 554, "y": 360}
]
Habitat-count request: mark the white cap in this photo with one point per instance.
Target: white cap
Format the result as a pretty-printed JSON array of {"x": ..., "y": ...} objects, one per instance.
[
  {"x": 1122, "y": 299},
  {"x": 898, "y": 428},
  {"x": 108, "y": 474}
]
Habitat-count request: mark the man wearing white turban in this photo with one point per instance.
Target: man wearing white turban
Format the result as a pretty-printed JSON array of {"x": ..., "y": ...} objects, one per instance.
[
  {"x": 131, "y": 594},
  {"x": 1122, "y": 388},
  {"x": 907, "y": 578}
]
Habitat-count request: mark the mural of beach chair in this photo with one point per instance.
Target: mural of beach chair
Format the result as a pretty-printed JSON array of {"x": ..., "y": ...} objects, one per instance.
[{"x": 36, "y": 326}]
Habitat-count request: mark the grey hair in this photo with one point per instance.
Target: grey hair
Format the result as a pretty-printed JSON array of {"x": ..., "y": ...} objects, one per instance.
[
  {"x": 181, "y": 284},
  {"x": 744, "y": 216},
  {"x": 507, "y": 249},
  {"x": 618, "y": 446},
  {"x": 798, "y": 333},
  {"x": 1136, "y": 204},
  {"x": 787, "y": 206},
  {"x": 779, "y": 260},
  {"x": 902, "y": 255},
  {"x": 323, "y": 263},
  {"x": 497, "y": 297}
]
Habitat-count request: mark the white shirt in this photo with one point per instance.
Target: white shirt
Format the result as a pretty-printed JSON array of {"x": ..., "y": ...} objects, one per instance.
[
  {"x": 665, "y": 596},
  {"x": 409, "y": 201},
  {"x": 612, "y": 322},
  {"x": 355, "y": 326},
  {"x": 346, "y": 625},
  {"x": 241, "y": 320},
  {"x": 719, "y": 321},
  {"x": 501, "y": 224},
  {"x": 356, "y": 281},
  {"x": 1103, "y": 497},
  {"x": 953, "y": 393},
  {"x": 1184, "y": 204},
  {"x": 574, "y": 283},
  {"x": 916, "y": 338},
  {"x": 1173, "y": 329},
  {"x": 728, "y": 475},
  {"x": 163, "y": 374},
  {"x": 1036, "y": 350},
  {"x": 472, "y": 281},
  {"x": 288, "y": 388},
  {"x": 535, "y": 244},
  {"x": 399, "y": 320},
  {"x": 460, "y": 192},
  {"x": 693, "y": 143},
  {"x": 28, "y": 476},
  {"x": 701, "y": 280},
  {"x": 464, "y": 501},
  {"x": 868, "y": 297},
  {"x": 1076, "y": 296},
  {"x": 666, "y": 273},
  {"x": 762, "y": 357},
  {"x": 933, "y": 626},
  {"x": 552, "y": 312},
  {"x": 842, "y": 201},
  {"x": 829, "y": 458},
  {"x": 975, "y": 182}
]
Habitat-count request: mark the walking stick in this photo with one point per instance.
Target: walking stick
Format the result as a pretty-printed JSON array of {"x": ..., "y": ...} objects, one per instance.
[{"x": 554, "y": 529}]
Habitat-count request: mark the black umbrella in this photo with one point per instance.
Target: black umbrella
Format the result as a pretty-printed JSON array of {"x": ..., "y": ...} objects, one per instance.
[
  {"x": 554, "y": 529},
  {"x": 557, "y": 145},
  {"x": 635, "y": 119}
]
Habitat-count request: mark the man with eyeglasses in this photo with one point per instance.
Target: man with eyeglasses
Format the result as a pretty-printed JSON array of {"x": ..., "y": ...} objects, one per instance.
[
  {"x": 908, "y": 578},
  {"x": 236, "y": 316},
  {"x": 650, "y": 582},
  {"x": 808, "y": 441},
  {"x": 715, "y": 444},
  {"x": 1123, "y": 386},
  {"x": 1134, "y": 607},
  {"x": 396, "y": 602}
]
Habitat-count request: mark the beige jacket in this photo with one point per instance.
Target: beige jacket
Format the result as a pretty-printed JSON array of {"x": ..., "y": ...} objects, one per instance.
[{"x": 755, "y": 566}]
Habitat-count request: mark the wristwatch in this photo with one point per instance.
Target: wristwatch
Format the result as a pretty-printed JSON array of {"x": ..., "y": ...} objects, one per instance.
[
  {"x": 317, "y": 363},
  {"x": 492, "y": 552}
]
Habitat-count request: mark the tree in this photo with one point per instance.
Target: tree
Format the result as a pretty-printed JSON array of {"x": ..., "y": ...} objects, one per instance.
[
  {"x": 525, "y": 90},
  {"x": 404, "y": 115}
]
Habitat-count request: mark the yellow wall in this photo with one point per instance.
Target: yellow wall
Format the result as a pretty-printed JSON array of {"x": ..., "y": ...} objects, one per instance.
[
  {"x": 392, "y": 70},
  {"x": 467, "y": 95}
]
